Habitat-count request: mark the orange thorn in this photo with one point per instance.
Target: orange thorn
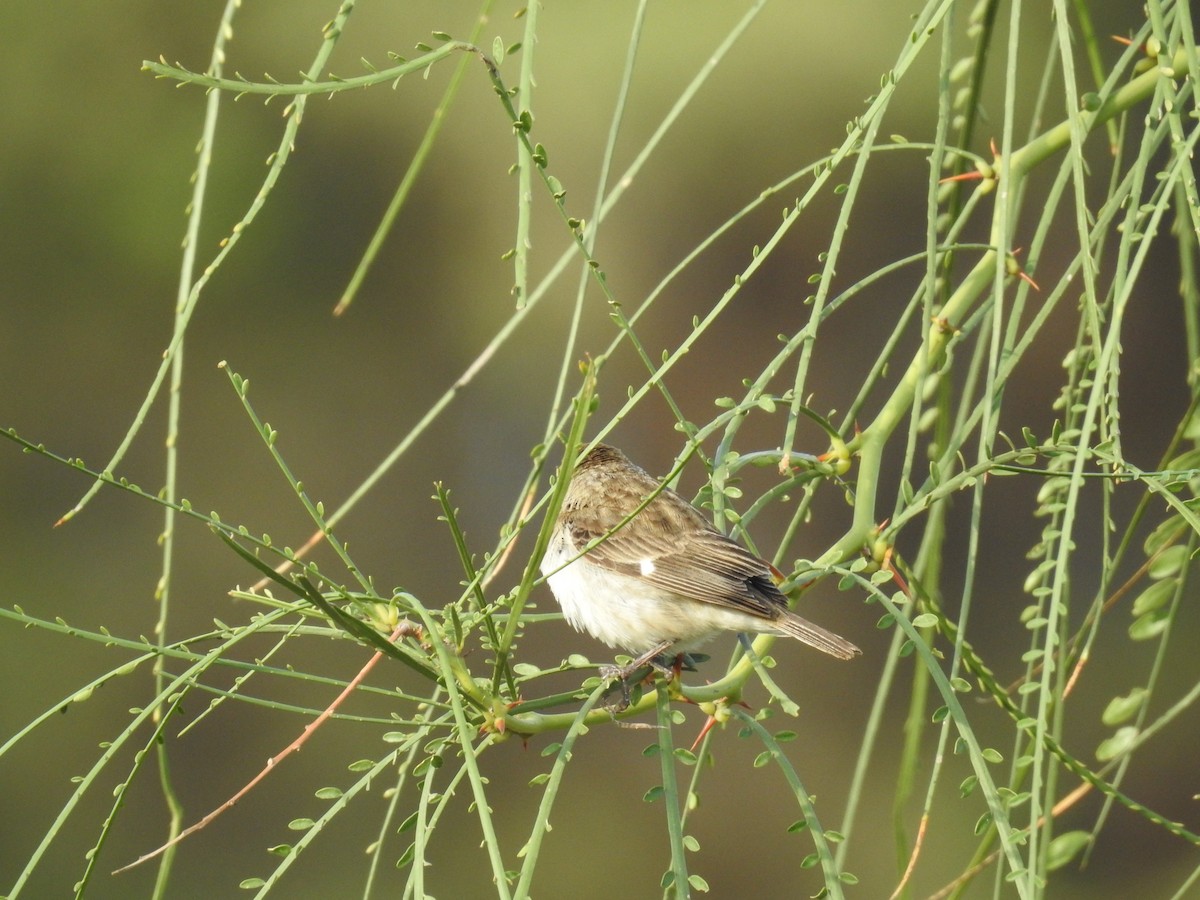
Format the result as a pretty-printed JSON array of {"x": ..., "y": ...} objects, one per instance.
[
  {"x": 962, "y": 176},
  {"x": 1014, "y": 269},
  {"x": 708, "y": 725}
]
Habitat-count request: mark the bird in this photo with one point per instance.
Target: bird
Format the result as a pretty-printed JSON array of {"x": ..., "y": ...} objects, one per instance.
[{"x": 653, "y": 576}]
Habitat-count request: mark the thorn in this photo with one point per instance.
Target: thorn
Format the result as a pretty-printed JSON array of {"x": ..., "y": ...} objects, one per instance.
[
  {"x": 708, "y": 725},
  {"x": 962, "y": 176},
  {"x": 1015, "y": 269},
  {"x": 712, "y": 720},
  {"x": 896, "y": 576}
]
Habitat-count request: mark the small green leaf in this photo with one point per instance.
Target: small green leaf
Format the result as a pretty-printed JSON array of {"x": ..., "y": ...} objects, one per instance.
[
  {"x": 1162, "y": 535},
  {"x": 1158, "y": 594},
  {"x": 1065, "y": 847},
  {"x": 1121, "y": 709},
  {"x": 1169, "y": 562},
  {"x": 1119, "y": 743},
  {"x": 1151, "y": 625}
]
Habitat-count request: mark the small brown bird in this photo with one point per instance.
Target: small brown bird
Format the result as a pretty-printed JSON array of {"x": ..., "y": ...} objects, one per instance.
[{"x": 664, "y": 582}]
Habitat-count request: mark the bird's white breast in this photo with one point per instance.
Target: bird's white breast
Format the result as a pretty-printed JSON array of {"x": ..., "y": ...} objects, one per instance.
[{"x": 627, "y": 612}]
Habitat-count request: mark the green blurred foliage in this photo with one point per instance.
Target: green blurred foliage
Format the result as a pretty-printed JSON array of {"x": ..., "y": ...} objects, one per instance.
[{"x": 94, "y": 167}]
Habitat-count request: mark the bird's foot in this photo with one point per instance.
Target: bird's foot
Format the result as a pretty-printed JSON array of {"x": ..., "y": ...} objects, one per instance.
[
  {"x": 623, "y": 677},
  {"x": 658, "y": 659}
]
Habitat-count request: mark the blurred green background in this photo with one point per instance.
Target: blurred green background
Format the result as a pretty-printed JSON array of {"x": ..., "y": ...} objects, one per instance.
[{"x": 94, "y": 166}]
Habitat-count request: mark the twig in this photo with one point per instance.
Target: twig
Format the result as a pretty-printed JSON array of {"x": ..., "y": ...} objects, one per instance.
[{"x": 404, "y": 629}]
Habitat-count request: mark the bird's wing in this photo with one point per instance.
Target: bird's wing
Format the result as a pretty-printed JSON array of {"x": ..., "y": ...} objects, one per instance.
[{"x": 698, "y": 562}]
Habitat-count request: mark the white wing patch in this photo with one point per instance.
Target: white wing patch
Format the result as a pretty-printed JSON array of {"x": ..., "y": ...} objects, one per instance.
[{"x": 647, "y": 567}]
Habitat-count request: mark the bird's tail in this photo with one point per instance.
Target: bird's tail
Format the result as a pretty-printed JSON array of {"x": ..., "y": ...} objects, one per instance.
[{"x": 816, "y": 636}]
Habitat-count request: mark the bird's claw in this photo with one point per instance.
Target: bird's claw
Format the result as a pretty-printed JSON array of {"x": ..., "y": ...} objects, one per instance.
[{"x": 669, "y": 665}]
